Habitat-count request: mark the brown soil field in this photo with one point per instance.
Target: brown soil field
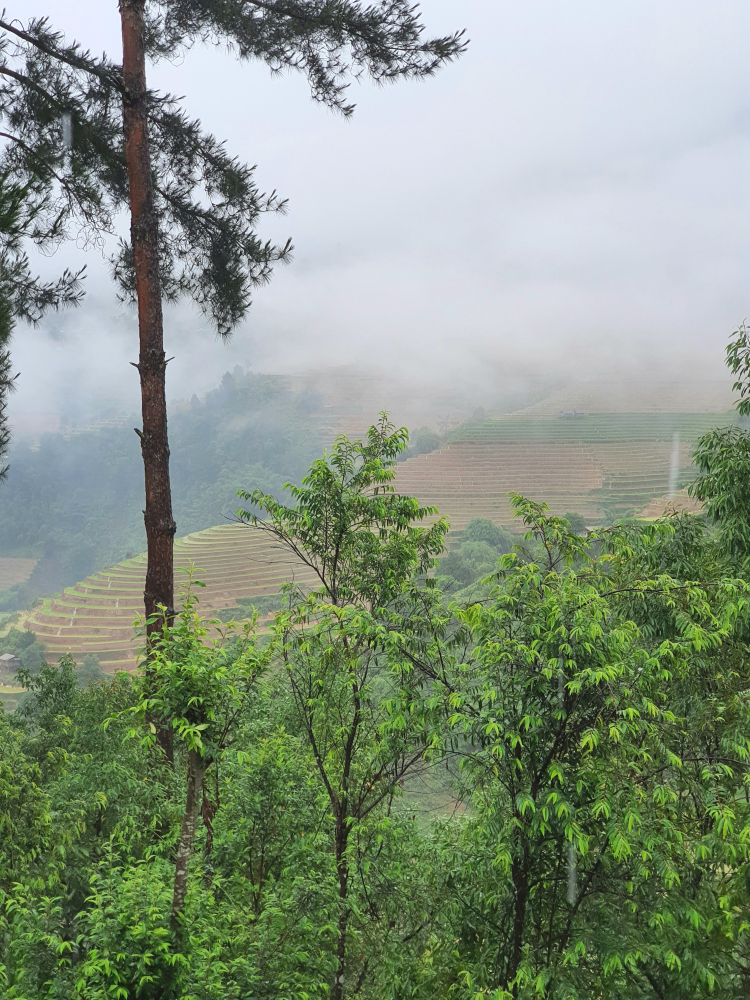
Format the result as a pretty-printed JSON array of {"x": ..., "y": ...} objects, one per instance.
[
  {"x": 667, "y": 505},
  {"x": 14, "y": 571}
]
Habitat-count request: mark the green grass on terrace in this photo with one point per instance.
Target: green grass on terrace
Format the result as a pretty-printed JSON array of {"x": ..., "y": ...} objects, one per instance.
[{"x": 594, "y": 428}]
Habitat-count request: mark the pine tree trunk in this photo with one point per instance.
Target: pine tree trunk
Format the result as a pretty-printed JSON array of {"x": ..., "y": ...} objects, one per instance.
[
  {"x": 195, "y": 775},
  {"x": 144, "y": 233}
]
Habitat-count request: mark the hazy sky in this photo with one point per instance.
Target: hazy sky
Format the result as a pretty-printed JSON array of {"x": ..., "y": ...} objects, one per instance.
[{"x": 572, "y": 194}]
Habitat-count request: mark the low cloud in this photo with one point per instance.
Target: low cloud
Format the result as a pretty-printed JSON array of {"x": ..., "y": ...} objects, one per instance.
[{"x": 570, "y": 198}]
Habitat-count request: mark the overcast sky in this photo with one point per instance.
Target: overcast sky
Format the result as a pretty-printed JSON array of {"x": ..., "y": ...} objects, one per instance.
[{"x": 572, "y": 195}]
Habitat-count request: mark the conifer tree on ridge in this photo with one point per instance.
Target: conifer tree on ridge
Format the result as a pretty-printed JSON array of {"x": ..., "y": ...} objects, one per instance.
[{"x": 87, "y": 139}]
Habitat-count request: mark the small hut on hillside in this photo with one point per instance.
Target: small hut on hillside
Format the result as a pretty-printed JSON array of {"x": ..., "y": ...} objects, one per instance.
[{"x": 9, "y": 664}]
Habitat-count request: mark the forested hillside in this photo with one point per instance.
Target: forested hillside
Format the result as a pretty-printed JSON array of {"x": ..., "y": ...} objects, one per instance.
[
  {"x": 75, "y": 501},
  {"x": 580, "y": 716},
  {"x": 422, "y": 673}
]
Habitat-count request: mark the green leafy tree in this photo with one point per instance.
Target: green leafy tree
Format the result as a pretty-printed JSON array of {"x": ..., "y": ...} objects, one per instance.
[
  {"x": 196, "y": 679},
  {"x": 603, "y": 725},
  {"x": 272, "y": 850},
  {"x": 722, "y": 458},
  {"x": 26, "y": 834},
  {"x": 592, "y": 708},
  {"x": 46, "y": 708},
  {"x": 577, "y": 522},
  {"x": 476, "y": 553},
  {"x": 25, "y": 819},
  {"x": 90, "y": 669},
  {"x": 32, "y": 657},
  {"x": 63, "y": 921},
  {"x": 365, "y": 542},
  {"x": 421, "y": 442},
  {"x": 348, "y": 524}
]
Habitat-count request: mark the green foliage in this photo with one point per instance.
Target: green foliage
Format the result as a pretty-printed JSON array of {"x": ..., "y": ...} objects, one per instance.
[
  {"x": 16, "y": 641},
  {"x": 723, "y": 462},
  {"x": 125, "y": 928},
  {"x": 272, "y": 850},
  {"x": 365, "y": 543},
  {"x": 577, "y": 522},
  {"x": 602, "y": 723},
  {"x": 481, "y": 530},
  {"x": 32, "y": 657},
  {"x": 197, "y": 677},
  {"x": 25, "y": 820},
  {"x": 476, "y": 554},
  {"x": 590, "y": 714},
  {"x": 51, "y": 694},
  {"x": 722, "y": 458},
  {"x": 738, "y": 362},
  {"x": 90, "y": 669},
  {"x": 349, "y": 524},
  {"x": 422, "y": 442}
]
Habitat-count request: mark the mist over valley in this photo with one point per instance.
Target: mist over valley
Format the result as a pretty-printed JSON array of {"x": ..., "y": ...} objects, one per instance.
[{"x": 374, "y": 522}]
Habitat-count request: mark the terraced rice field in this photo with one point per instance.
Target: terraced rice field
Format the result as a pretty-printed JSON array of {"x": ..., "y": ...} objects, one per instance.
[
  {"x": 600, "y": 466},
  {"x": 681, "y": 501},
  {"x": 639, "y": 396},
  {"x": 606, "y": 464},
  {"x": 9, "y": 696},
  {"x": 97, "y": 615},
  {"x": 14, "y": 571}
]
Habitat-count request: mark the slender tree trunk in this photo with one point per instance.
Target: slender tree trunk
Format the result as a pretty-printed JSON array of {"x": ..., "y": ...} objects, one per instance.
[
  {"x": 520, "y": 875},
  {"x": 144, "y": 234},
  {"x": 209, "y": 808},
  {"x": 342, "y": 840},
  {"x": 195, "y": 773},
  {"x": 342, "y": 869}
]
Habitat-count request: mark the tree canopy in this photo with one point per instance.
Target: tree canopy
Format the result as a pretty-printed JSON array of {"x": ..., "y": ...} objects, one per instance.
[
  {"x": 61, "y": 110},
  {"x": 538, "y": 787}
]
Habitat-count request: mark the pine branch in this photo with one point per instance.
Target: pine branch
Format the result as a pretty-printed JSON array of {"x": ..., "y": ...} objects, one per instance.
[{"x": 67, "y": 56}]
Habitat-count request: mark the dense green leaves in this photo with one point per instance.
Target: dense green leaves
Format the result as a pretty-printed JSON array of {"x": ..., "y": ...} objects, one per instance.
[
  {"x": 476, "y": 552},
  {"x": 588, "y": 708},
  {"x": 723, "y": 461},
  {"x": 361, "y": 537},
  {"x": 365, "y": 543},
  {"x": 25, "y": 819},
  {"x": 198, "y": 676}
]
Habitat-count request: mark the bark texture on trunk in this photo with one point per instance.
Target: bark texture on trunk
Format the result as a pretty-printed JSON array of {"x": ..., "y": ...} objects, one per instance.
[
  {"x": 195, "y": 774},
  {"x": 209, "y": 808},
  {"x": 144, "y": 234},
  {"x": 342, "y": 869},
  {"x": 520, "y": 875},
  {"x": 341, "y": 812}
]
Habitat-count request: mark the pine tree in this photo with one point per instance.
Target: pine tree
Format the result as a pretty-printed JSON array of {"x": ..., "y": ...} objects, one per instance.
[
  {"x": 87, "y": 139},
  {"x": 22, "y": 295}
]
